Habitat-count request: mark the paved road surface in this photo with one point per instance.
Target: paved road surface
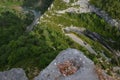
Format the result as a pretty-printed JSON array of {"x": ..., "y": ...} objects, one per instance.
[
  {"x": 82, "y": 43},
  {"x": 35, "y": 21}
]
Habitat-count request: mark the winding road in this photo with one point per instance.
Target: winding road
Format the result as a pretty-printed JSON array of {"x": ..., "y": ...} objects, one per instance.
[
  {"x": 35, "y": 21},
  {"x": 81, "y": 42}
]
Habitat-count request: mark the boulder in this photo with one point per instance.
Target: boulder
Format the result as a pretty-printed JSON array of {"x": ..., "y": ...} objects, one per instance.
[
  {"x": 13, "y": 74},
  {"x": 70, "y": 64}
]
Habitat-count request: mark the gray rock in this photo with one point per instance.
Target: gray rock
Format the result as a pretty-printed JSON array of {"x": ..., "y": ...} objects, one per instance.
[
  {"x": 85, "y": 7},
  {"x": 85, "y": 72},
  {"x": 13, "y": 74},
  {"x": 105, "y": 16},
  {"x": 67, "y": 1}
]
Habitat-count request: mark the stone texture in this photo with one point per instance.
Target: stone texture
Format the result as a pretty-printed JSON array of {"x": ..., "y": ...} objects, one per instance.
[
  {"x": 13, "y": 74},
  {"x": 85, "y": 7},
  {"x": 67, "y": 1},
  {"x": 105, "y": 16},
  {"x": 84, "y": 72}
]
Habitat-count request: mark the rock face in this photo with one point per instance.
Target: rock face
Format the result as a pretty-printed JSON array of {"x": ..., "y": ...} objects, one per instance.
[
  {"x": 105, "y": 16},
  {"x": 67, "y": 1},
  {"x": 70, "y": 64},
  {"x": 13, "y": 74},
  {"x": 85, "y": 7}
]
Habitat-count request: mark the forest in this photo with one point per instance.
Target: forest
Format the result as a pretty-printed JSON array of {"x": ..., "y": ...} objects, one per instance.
[
  {"x": 39, "y": 47},
  {"x": 35, "y": 49}
]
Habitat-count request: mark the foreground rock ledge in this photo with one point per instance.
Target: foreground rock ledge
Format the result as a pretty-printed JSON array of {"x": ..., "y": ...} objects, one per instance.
[
  {"x": 13, "y": 74},
  {"x": 85, "y": 67}
]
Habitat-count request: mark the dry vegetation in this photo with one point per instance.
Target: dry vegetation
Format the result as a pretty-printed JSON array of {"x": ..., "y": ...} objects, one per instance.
[
  {"x": 67, "y": 68},
  {"x": 103, "y": 76}
]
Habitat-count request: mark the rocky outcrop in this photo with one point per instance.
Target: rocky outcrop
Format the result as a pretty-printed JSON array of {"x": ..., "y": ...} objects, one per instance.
[
  {"x": 70, "y": 64},
  {"x": 85, "y": 7},
  {"x": 13, "y": 74},
  {"x": 105, "y": 16}
]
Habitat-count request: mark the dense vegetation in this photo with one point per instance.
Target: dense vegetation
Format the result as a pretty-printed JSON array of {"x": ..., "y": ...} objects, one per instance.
[
  {"x": 91, "y": 22},
  {"x": 36, "y": 49},
  {"x": 12, "y": 24},
  {"x": 39, "y": 47},
  {"x": 28, "y": 50},
  {"x": 111, "y": 6}
]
